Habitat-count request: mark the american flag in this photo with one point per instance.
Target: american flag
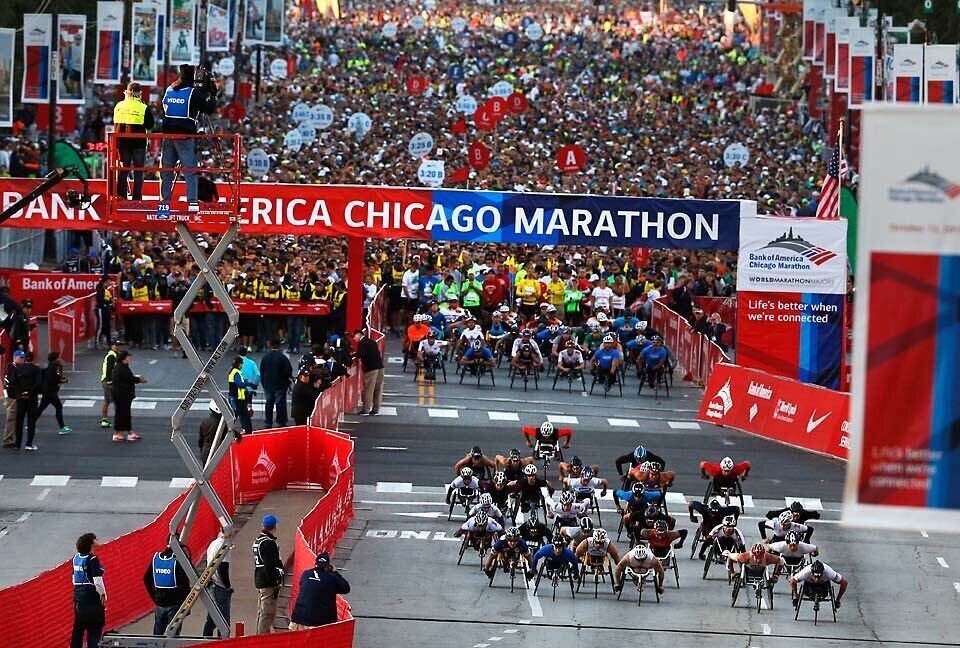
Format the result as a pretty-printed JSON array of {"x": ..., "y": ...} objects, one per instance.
[{"x": 829, "y": 206}]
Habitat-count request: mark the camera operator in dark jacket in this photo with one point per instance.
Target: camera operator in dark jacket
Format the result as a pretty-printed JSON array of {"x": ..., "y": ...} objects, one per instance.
[
  {"x": 168, "y": 587},
  {"x": 317, "y": 601},
  {"x": 183, "y": 103}
]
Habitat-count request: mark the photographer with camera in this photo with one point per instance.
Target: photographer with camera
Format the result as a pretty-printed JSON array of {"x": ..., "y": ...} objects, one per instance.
[
  {"x": 132, "y": 116},
  {"x": 317, "y": 601},
  {"x": 192, "y": 94}
]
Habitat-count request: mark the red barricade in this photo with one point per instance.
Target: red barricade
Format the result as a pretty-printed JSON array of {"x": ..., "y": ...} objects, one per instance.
[
  {"x": 336, "y": 635},
  {"x": 72, "y": 323},
  {"x": 798, "y": 414},
  {"x": 696, "y": 353},
  {"x": 245, "y": 306},
  {"x": 47, "y": 290}
]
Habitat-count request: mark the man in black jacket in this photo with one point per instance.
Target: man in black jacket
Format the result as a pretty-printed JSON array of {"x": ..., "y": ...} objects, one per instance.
[
  {"x": 304, "y": 396},
  {"x": 26, "y": 388},
  {"x": 267, "y": 574},
  {"x": 276, "y": 373},
  {"x": 50, "y": 389},
  {"x": 368, "y": 353},
  {"x": 20, "y": 326},
  {"x": 317, "y": 601},
  {"x": 168, "y": 587}
]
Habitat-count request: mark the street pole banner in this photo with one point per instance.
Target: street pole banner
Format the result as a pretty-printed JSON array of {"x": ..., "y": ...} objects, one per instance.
[
  {"x": 425, "y": 214},
  {"x": 145, "y": 37},
  {"x": 791, "y": 293},
  {"x": 863, "y": 51},
  {"x": 109, "y": 30},
  {"x": 904, "y": 468},
  {"x": 37, "y": 40},
  {"x": 809, "y": 19},
  {"x": 841, "y": 79},
  {"x": 820, "y": 32},
  {"x": 218, "y": 26},
  {"x": 71, "y": 30},
  {"x": 182, "y": 32},
  {"x": 940, "y": 80},
  {"x": 8, "y": 41},
  {"x": 907, "y": 73}
]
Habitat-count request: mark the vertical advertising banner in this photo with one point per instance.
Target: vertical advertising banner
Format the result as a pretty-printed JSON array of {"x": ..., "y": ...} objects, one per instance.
[
  {"x": 8, "y": 41},
  {"x": 182, "y": 32},
  {"x": 791, "y": 292},
  {"x": 820, "y": 32},
  {"x": 37, "y": 35},
  {"x": 841, "y": 79},
  {"x": 264, "y": 23},
  {"x": 863, "y": 50},
  {"x": 940, "y": 80},
  {"x": 904, "y": 468},
  {"x": 71, "y": 32},
  {"x": 109, "y": 29},
  {"x": 808, "y": 21},
  {"x": 218, "y": 25},
  {"x": 907, "y": 73},
  {"x": 830, "y": 53},
  {"x": 144, "y": 29}
]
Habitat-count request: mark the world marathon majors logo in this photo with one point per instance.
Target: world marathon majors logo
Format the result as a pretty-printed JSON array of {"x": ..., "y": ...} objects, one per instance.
[
  {"x": 924, "y": 186},
  {"x": 721, "y": 403},
  {"x": 263, "y": 470}
]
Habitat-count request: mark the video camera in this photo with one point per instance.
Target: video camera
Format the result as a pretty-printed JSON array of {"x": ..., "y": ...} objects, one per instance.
[{"x": 204, "y": 80}]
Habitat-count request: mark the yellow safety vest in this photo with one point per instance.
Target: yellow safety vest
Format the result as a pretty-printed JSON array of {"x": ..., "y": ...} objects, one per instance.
[
  {"x": 140, "y": 294},
  {"x": 338, "y": 298},
  {"x": 291, "y": 295},
  {"x": 129, "y": 112},
  {"x": 103, "y": 367},
  {"x": 231, "y": 380}
]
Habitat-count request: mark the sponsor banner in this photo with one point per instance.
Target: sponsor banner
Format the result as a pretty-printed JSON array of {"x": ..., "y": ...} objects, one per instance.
[
  {"x": 8, "y": 41},
  {"x": 841, "y": 79},
  {"x": 37, "y": 40},
  {"x": 776, "y": 408},
  {"x": 905, "y": 467},
  {"x": 264, "y": 23},
  {"x": 109, "y": 28},
  {"x": 424, "y": 214},
  {"x": 145, "y": 26},
  {"x": 71, "y": 32},
  {"x": 260, "y": 464},
  {"x": 820, "y": 32},
  {"x": 861, "y": 55},
  {"x": 245, "y": 306},
  {"x": 830, "y": 42},
  {"x": 48, "y": 290},
  {"x": 794, "y": 255},
  {"x": 60, "y": 331},
  {"x": 218, "y": 26},
  {"x": 940, "y": 80},
  {"x": 182, "y": 31},
  {"x": 809, "y": 15},
  {"x": 907, "y": 73}
]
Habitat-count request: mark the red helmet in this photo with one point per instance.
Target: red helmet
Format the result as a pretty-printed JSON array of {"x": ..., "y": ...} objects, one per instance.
[{"x": 758, "y": 551}]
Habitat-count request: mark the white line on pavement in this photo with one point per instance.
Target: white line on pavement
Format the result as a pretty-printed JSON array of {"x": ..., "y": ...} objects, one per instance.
[
  {"x": 119, "y": 482},
  {"x": 534, "y": 603},
  {"x": 943, "y": 563},
  {"x": 511, "y": 631},
  {"x": 4, "y": 531},
  {"x": 394, "y": 487},
  {"x": 480, "y": 645},
  {"x": 567, "y": 420},
  {"x": 956, "y": 586},
  {"x": 494, "y": 638},
  {"x": 43, "y": 494},
  {"x": 78, "y": 403},
  {"x": 924, "y": 533},
  {"x": 153, "y": 362},
  {"x": 809, "y": 503},
  {"x": 443, "y": 413},
  {"x": 143, "y": 405},
  {"x": 618, "y": 422},
  {"x": 503, "y": 416},
  {"x": 23, "y": 518},
  {"x": 683, "y": 425},
  {"x": 393, "y": 448},
  {"x": 526, "y": 621},
  {"x": 388, "y": 410},
  {"x": 50, "y": 480},
  {"x": 766, "y": 629},
  {"x": 181, "y": 482}
]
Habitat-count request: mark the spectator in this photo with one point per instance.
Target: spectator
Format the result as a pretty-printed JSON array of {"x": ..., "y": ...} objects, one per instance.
[
  {"x": 317, "y": 601},
  {"x": 267, "y": 574},
  {"x": 251, "y": 374},
  {"x": 221, "y": 588},
  {"x": 50, "y": 389},
  {"x": 106, "y": 380},
  {"x": 372, "y": 363},
  {"x": 89, "y": 594},
  {"x": 9, "y": 384},
  {"x": 168, "y": 587},
  {"x": 105, "y": 305},
  {"x": 276, "y": 373},
  {"x": 208, "y": 431},
  {"x": 21, "y": 326},
  {"x": 303, "y": 398},
  {"x": 124, "y": 390},
  {"x": 26, "y": 389}
]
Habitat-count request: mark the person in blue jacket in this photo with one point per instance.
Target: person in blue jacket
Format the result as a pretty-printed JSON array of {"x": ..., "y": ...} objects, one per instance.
[{"x": 557, "y": 554}]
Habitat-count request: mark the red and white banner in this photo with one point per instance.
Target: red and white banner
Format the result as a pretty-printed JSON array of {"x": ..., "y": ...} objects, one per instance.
[
  {"x": 841, "y": 79},
  {"x": 47, "y": 289},
  {"x": 109, "y": 30},
  {"x": 37, "y": 39},
  {"x": 245, "y": 306},
  {"x": 60, "y": 329},
  {"x": 791, "y": 412}
]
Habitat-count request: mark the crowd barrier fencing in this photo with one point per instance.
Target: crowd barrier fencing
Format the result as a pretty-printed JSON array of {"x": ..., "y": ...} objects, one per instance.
[
  {"x": 788, "y": 411},
  {"x": 245, "y": 306},
  {"x": 695, "y": 352},
  {"x": 48, "y": 290},
  {"x": 71, "y": 324}
]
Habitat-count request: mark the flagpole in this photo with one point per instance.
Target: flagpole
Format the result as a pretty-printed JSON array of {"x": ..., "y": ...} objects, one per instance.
[{"x": 839, "y": 176}]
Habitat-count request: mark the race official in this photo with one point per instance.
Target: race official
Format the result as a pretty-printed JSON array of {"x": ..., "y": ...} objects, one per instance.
[
  {"x": 240, "y": 395},
  {"x": 183, "y": 103},
  {"x": 317, "y": 601},
  {"x": 132, "y": 117},
  {"x": 208, "y": 431},
  {"x": 303, "y": 398},
  {"x": 89, "y": 594},
  {"x": 267, "y": 574},
  {"x": 168, "y": 587},
  {"x": 106, "y": 380},
  {"x": 26, "y": 388}
]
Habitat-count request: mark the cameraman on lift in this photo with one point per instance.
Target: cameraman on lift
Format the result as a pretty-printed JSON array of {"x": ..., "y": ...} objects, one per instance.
[{"x": 183, "y": 102}]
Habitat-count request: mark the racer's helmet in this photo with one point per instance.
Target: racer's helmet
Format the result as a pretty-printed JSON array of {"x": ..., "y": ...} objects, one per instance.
[
  {"x": 546, "y": 429},
  {"x": 466, "y": 472},
  {"x": 796, "y": 507},
  {"x": 651, "y": 511},
  {"x": 477, "y": 344},
  {"x": 476, "y": 452},
  {"x": 576, "y": 461},
  {"x": 514, "y": 454},
  {"x": 792, "y": 538},
  {"x": 639, "y": 453},
  {"x": 599, "y": 536},
  {"x": 486, "y": 501},
  {"x": 637, "y": 489},
  {"x": 726, "y": 464},
  {"x": 586, "y": 473},
  {"x": 513, "y": 533},
  {"x": 499, "y": 478},
  {"x": 785, "y": 519},
  {"x": 714, "y": 505},
  {"x": 530, "y": 470},
  {"x": 639, "y": 552},
  {"x": 586, "y": 524},
  {"x": 566, "y": 497},
  {"x": 481, "y": 518},
  {"x": 729, "y": 522},
  {"x": 558, "y": 542},
  {"x": 816, "y": 568},
  {"x": 660, "y": 528},
  {"x": 758, "y": 551}
]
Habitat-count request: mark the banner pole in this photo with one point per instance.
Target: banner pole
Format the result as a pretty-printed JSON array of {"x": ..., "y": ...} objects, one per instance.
[{"x": 52, "y": 90}]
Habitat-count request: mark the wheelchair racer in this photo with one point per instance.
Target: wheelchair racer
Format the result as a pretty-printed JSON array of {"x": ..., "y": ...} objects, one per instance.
[
  {"x": 799, "y": 513},
  {"x": 527, "y": 359},
  {"x": 557, "y": 556},
  {"x": 507, "y": 549},
  {"x": 530, "y": 489},
  {"x": 793, "y": 550},
  {"x": 429, "y": 353},
  {"x": 758, "y": 556},
  {"x": 635, "y": 521},
  {"x": 566, "y": 510},
  {"x": 639, "y": 455},
  {"x": 546, "y": 433},
  {"x": 606, "y": 362},
  {"x": 486, "y": 505},
  {"x": 470, "y": 333},
  {"x": 513, "y": 464},
  {"x": 728, "y": 538},
  {"x": 725, "y": 473},
  {"x": 497, "y": 331},
  {"x": 476, "y": 461},
  {"x": 575, "y": 468},
  {"x": 415, "y": 333},
  {"x": 712, "y": 516},
  {"x": 479, "y": 529},
  {"x": 593, "y": 551},
  {"x": 640, "y": 560},
  {"x": 570, "y": 359},
  {"x": 576, "y": 533},
  {"x": 817, "y": 577},
  {"x": 466, "y": 481},
  {"x": 652, "y": 362},
  {"x": 584, "y": 486},
  {"x": 633, "y": 498},
  {"x": 660, "y": 538},
  {"x": 535, "y": 532},
  {"x": 782, "y": 526},
  {"x": 498, "y": 489},
  {"x": 477, "y": 355},
  {"x": 526, "y": 338},
  {"x": 652, "y": 477}
]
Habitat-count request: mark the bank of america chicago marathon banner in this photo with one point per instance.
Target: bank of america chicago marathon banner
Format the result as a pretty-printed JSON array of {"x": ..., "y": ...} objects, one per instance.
[
  {"x": 37, "y": 35},
  {"x": 905, "y": 406},
  {"x": 791, "y": 292},
  {"x": 109, "y": 29},
  {"x": 439, "y": 214}
]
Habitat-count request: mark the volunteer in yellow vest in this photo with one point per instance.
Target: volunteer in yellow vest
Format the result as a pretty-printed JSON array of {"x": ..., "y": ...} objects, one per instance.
[
  {"x": 132, "y": 116},
  {"x": 294, "y": 325},
  {"x": 238, "y": 395},
  {"x": 106, "y": 379}
]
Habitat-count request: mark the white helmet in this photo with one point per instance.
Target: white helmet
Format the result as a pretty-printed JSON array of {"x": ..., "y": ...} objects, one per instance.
[
  {"x": 529, "y": 469},
  {"x": 785, "y": 519},
  {"x": 726, "y": 464},
  {"x": 466, "y": 472},
  {"x": 602, "y": 317},
  {"x": 546, "y": 429},
  {"x": 486, "y": 500},
  {"x": 566, "y": 497},
  {"x": 645, "y": 466},
  {"x": 639, "y": 552},
  {"x": 599, "y": 536}
]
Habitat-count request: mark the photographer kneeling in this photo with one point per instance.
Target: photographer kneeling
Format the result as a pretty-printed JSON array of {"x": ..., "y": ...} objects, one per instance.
[
  {"x": 183, "y": 102},
  {"x": 317, "y": 601}
]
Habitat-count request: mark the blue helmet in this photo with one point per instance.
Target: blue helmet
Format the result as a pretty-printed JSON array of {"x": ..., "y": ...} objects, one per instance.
[{"x": 639, "y": 453}]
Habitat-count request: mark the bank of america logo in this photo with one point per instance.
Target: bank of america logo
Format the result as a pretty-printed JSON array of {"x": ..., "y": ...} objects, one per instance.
[
  {"x": 935, "y": 180},
  {"x": 795, "y": 243}
]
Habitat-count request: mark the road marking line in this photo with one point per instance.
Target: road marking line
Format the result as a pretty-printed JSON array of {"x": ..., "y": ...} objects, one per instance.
[
  {"x": 924, "y": 533},
  {"x": 747, "y": 501},
  {"x": 119, "y": 482},
  {"x": 442, "y": 413},
  {"x": 4, "y": 531},
  {"x": 526, "y": 621},
  {"x": 393, "y": 360},
  {"x": 78, "y": 403},
  {"x": 421, "y": 390},
  {"x": 763, "y": 602},
  {"x": 393, "y": 448},
  {"x": 534, "y": 603},
  {"x": 766, "y": 629},
  {"x": 943, "y": 563},
  {"x": 43, "y": 495},
  {"x": 503, "y": 416},
  {"x": 683, "y": 425},
  {"x": 50, "y": 480},
  {"x": 23, "y": 518},
  {"x": 676, "y": 498},
  {"x": 809, "y": 503},
  {"x": 480, "y": 645},
  {"x": 511, "y": 630},
  {"x": 568, "y": 420},
  {"x": 153, "y": 362},
  {"x": 181, "y": 482},
  {"x": 143, "y": 405},
  {"x": 494, "y": 638},
  {"x": 394, "y": 487},
  {"x": 727, "y": 443},
  {"x": 618, "y": 422},
  {"x": 956, "y": 586},
  {"x": 387, "y": 410}
]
